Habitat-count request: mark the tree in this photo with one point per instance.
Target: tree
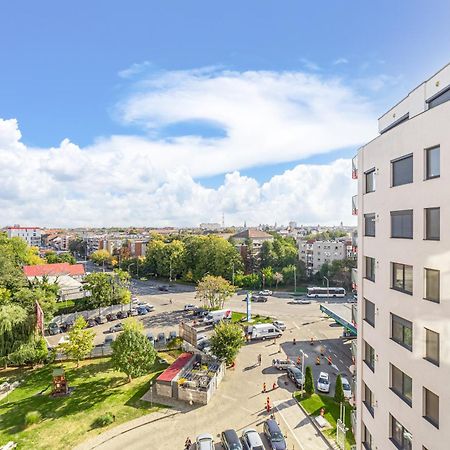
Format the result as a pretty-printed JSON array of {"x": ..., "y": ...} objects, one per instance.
[
  {"x": 53, "y": 258},
  {"x": 338, "y": 390},
  {"x": 267, "y": 276},
  {"x": 309, "y": 383},
  {"x": 132, "y": 352},
  {"x": 81, "y": 341},
  {"x": 33, "y": 352},
  {"x": 226, "y": 341},
  {"x": 213, "y": 291},
  {"x": 101, "y": 257},
  {"x": 100, "y": 285}
]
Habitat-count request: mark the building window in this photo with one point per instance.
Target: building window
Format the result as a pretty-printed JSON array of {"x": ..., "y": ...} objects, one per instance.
[
  {"x": 400, "y": 436},
  {"x": 368, "y": 400},
  {"x": 431, "y": 407},
  {"x": 441, "y": 97},
  {"x": 369, "y": 356},
  {"x": 401, "y": 331},
  {"x": 432, "y": 224},
  {"x": 402, "y": 278},
  {"x": 432, "y": 285},
  {"x": 370, "y": 268},
  {"x": 432, "y": 346},
  {"x": 369, "y": 224},
  {"x": 369, "y": 312},
  {"x": 402, "y": 224},
  {"x": 370, "y": 181},
  {"x": 432, "y": 162},
  {"x": 366, "y": 438},
  {"x": 401, "y": 384},
  {"x": 402, "y": 170}
]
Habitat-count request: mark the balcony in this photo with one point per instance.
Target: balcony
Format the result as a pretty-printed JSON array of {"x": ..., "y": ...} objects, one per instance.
[
  {"x": 355, "y": 205},
  {"x": 355, "y": 167}
]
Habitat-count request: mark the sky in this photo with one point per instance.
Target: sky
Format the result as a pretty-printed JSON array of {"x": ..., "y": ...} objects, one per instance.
[{"x": 172, "y": 113}]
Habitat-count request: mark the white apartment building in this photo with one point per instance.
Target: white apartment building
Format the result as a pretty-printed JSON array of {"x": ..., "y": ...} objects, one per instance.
[
  {"x": 32, "y": 235},
  {"x": 403, "y": 208}
]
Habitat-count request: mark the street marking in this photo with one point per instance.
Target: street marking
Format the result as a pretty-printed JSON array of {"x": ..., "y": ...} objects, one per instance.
[{"x": 296, "y": 326}]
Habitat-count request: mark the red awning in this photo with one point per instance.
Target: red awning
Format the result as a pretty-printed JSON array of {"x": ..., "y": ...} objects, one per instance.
[{"x": 172, "y": 371}]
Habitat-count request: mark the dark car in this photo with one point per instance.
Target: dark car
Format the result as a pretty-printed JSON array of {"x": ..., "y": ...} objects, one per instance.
[
  {"x": 53, "y": 328},
  {"x": 142, "y": 310},
  {"x": 100, "y": 320},
  {"x": 111, "y": 317},
  {"x": 259, "y": 299},
  {"x": 163, "y": 288},
  {"x": 230, "y": 440},
  {"x": 122, "y": 315},
  {"x": 67, "y": 325},
  {"x": 199, "y": 312},
  {"x": 91, "y": 323},
  {"x": 296, "y": 375},
  {"x": 274, "y": 435}
]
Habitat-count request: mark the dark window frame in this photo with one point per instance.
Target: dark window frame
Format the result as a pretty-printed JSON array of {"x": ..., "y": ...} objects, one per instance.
[
  {"x": 427, "y": 356},
  {"x": 367, "y": 439},
  {"x": 428, "y": 237},
  {"x": 426, "y": 295},
  {"x": 366, "y": 318},
  {"x": 399, "y": 445},
  {"x": 434, "y": 421},
  {"x": 401, "y": 289},
  {"x": 397, "y": 160},
  {"x": 403, "y": 214},
  {"x": 405, "y": 324},
  {"x": 368, "y": 403},
  {"x": 369, "y": 260},
  {"x": 439, "y": 98},
  {"x": 371, "y": 173},
  {"x": 427, "y": 162},
  {"x": 370, "y": 362},
  {"x": 368, "y": 229},
  {"x": 400, "y": 392}
]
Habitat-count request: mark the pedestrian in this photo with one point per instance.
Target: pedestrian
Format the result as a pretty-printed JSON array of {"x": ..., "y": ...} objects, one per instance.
[
  {"x": 259, "y": 359},
  {"x": 274, "y": 386},
  {"x": 294, "y": 341},
  {"x": 187, "y": 443}
]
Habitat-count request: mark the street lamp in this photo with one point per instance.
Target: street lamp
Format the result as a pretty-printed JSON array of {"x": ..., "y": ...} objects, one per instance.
[
  {"x": 295, "y": 279},
  {"x": 328, "y": 286}
]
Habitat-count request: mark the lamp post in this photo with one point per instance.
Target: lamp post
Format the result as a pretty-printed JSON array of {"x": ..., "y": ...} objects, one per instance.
[
  {"x": 328, "y": 286},
  {"x": 295, "y": 279}
]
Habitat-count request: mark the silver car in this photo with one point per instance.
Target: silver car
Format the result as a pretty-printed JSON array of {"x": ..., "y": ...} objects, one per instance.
[{"x": 204, "y": 442}]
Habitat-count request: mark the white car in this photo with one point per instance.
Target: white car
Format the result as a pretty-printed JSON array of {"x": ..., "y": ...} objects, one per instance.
[
  {"x": 280, "y": 325},
  {"x": 300, "y": 301},
  {"x": 204, "y": 442},
  {"x": 251, "y": 440},
  {"x": 347, "y": 389},
  {"x": 189, "y": 307},
  {"x": 265, "y": 292},
  {"x": 282, "y": 364},
  {"x": 323, "y": 382}
]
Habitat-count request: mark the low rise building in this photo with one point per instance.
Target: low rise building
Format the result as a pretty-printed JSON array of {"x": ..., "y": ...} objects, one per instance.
[{"x": 31, "y": 235}]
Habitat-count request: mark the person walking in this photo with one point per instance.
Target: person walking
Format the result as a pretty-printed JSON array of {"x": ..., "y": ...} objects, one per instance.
[
  {"x": 187, "y": 443},
  {"x": 259, "y": 359}
]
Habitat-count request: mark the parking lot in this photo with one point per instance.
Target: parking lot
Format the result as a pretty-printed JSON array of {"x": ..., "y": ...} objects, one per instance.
[{"x": 240, "y": 402}]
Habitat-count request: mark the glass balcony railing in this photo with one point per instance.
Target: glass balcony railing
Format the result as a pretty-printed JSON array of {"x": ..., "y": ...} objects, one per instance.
[{"x": 355, "y": 205}]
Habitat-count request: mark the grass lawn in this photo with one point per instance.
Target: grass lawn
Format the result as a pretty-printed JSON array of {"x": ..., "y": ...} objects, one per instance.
[
  {"x": 236, "y": 317},
  {"x": 313, "y": 405},
  {"x": 98, "y": 389},
  {"x": 71, "y": 306}
]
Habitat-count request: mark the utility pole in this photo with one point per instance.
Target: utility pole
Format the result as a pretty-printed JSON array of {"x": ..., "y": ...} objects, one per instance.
[
  {"x": 328, "y": 286},
  {"x": 295, "y": 279}
]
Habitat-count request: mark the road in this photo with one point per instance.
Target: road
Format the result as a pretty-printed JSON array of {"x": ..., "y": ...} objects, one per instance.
[{"x": 239, "y": 402}]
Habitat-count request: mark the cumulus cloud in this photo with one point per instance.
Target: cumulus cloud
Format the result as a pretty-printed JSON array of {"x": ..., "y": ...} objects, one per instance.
[{"x": 153, "y": 179}]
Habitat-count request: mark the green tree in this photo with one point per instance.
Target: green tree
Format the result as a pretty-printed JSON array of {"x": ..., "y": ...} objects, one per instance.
[
  {"x": 278, "y": 277},
  {"x": 338, "y": 390},
  {"x": 214, "y": 291},
  {"x": 100, "y": 285},
  {"x": 133, "y": 354},
  {"x": 101, "y": 257},
  {"x": 53, "y": 258},
  {"x": 81, "y": 341},
  {"x": 226, "y": 341},
  {"x": 33, "y": 352},
  {"x": 267, "y": 276},
  {"x": 309, "y": 383}
]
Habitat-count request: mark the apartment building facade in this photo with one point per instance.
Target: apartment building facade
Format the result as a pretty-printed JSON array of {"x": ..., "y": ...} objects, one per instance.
[
  {"x": 32, "y": 235},
  {"x": 403, "y": 208}
]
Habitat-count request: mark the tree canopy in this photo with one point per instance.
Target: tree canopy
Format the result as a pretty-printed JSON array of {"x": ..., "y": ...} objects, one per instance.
[
  {"x": 226, "y": 341},
  {"x": 214, "y": 291},
  {"x": 81, "y": 341}
]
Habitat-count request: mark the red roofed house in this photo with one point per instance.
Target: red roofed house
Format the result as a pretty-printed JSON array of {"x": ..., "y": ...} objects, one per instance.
[{"x": 67, "y": 276}]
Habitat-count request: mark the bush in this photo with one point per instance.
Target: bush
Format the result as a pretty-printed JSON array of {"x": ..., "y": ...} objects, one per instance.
[
  {"x": 32, "y": 417},
  {"x": 104, "y": 420},
  {"x": 309, "y": 384},
  {"x": 339, "y": 391}
]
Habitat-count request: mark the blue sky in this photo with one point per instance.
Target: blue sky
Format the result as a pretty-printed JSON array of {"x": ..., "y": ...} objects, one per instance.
[{"x": 62, "y": 73}]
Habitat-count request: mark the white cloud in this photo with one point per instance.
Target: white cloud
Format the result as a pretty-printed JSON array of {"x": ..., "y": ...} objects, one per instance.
[
  {"x": 266, "y": 118},
  {"x": 340, "y": 61}
]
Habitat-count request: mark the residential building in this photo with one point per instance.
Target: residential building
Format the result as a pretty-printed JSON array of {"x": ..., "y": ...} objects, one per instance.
[
  {"x": 137, "y": 248},
  {"x": 403, "y": 208},
  {"x": 32, "y": 235}
]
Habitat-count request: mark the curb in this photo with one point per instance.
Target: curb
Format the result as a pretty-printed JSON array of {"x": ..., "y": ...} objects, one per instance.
[{"x": 318, "y": 429}]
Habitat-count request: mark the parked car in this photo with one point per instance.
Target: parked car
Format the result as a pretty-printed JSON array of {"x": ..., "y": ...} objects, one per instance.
[
  {"x": 91, "y": 323},
  {"x": 251, "y": 440},
  {"x": 300, "y": 301},
  {"x": 151, "y": 338},
  {"x": 122, "y": 315},
  {"x": 100, "y": 320},
  {"x": 142, "y": 310},
  {"x": 133, "y": 312},
  {"x": 189, "y": 307},
  {"x": 109, "y": 339},
  {"x": 323, "y": 382},
  {"x": 163, "y": 288},
  {"x": 274, "y": 435},
  {"x": 204, "y": 442},
  {"x": 115, "y": 328},
  {"x": 279, "y": 324},
  {"x": 111, "y": 317},
  {"x": 161, "y": 339},
  {"x": 172, "y": 335},
  {"x": 259, "y": 299},
  {"x": 147, "y": 306},
  {"x": 346, "y": 388},
  {"x": 296, "y": 375},
  {"x": 53, "y": 328},
  {"x": 230, "y": 440},
  {"x": 265, "y": 292},
  {"x": 66, "y": 326},
  {"x": 282, "y": 364}
]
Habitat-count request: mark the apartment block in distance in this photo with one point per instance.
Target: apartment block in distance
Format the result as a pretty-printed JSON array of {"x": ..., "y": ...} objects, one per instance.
[
  {"x": 403, "y": 208},
  {"x": 32, "y": 235}
]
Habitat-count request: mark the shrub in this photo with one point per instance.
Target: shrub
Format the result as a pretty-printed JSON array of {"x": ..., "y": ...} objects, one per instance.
[
  {"x": 339, "y": 391},
  {"x": 104, "y": 420},
  {"x": 32, "y": 417},
  {"x": 309, "y": 384}
]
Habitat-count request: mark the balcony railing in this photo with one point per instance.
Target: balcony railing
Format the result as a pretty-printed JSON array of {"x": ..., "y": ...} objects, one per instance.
[
  {"x": 355, "y": 167},
  {"x": 355, "y": 205}
]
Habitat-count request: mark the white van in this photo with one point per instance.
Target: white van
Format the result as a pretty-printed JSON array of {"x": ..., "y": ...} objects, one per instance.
[
  {"x": 264, "y": 331},
  {"x": 217, "y": 316}
]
